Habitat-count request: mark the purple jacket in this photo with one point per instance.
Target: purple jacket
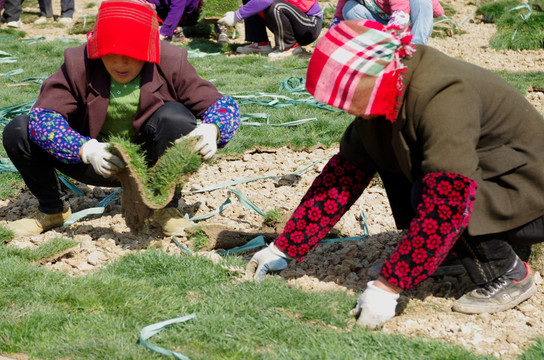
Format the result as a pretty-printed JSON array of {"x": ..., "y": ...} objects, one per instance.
[{"x": 176, "y": 9}]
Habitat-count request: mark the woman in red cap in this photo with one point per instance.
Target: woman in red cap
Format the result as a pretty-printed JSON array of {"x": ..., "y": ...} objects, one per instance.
[
  {"x": 460, "y": 154},
  {"x": 122, "y": 81}
]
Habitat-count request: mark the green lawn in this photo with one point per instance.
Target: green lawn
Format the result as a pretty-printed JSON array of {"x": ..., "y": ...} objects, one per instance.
[{"x": 50, "y": 315}]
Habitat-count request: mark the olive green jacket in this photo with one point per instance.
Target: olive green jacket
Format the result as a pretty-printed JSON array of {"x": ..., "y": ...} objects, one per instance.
[{"x": 459, "y": 118}]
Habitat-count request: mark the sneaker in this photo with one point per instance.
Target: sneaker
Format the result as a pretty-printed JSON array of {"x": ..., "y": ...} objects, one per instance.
[
  {"x": 498, "y": 295},
  {"x": 15, "y": 24},
  {"x": 66, "y": 20},
  {"x": 171, "y": 220},
  {"x": 38, "y": 222},
  {"x": 41, "y": 20},
  {"x": 255, "y": 48},
  {"x": 178, "y": 35},
  {"x": 276, "y": 54},
  {"x": 221, "y": 31}
]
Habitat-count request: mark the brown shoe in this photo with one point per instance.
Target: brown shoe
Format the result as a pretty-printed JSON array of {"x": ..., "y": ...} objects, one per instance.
[
  {"x": 171, "y": 220},
  {"x": 38, "y": 222}
]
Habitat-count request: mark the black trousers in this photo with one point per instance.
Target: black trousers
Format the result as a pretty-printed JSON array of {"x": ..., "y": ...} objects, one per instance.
[
  {"x": 66, "y": 8},
  {"x": 38, "y": 168},
  {"x": 288, "y": 23},
  {"x": 489, "y": 256},
  {"x": 12, "y": 10}
]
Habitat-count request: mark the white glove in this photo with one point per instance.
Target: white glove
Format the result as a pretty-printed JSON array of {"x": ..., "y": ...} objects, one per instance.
[
  {"x": 207, "y": 144},
  {"x": 104, "y": 163},
  {"x": 399, "y": 18},
  {"x": 229, "y": 19},
  {"x": 268, "y": 259},
  {"x": 374, "y": 307}
]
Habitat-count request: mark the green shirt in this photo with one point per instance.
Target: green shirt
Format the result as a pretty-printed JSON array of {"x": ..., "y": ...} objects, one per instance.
[{"x": 122, "y": 109}]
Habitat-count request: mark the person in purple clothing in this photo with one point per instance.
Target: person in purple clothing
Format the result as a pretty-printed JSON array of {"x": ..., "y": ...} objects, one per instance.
[
  {"x": 293, "y": 23},
  {"x": 176, "y": 13}
]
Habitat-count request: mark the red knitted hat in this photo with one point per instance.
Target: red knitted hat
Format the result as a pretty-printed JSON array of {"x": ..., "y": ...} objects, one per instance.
[
  {"x": 357, "y": 67},
  {"x": 125, "y": 27}
]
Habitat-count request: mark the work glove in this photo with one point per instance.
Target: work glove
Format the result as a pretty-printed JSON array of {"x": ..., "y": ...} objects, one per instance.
[
  {"x": 104, "y": 163},
  {"x": 399, "y": 18},
  {"x": 206, "y": 146},
  {"x": 229, "y": 19},
  {"x": 268, "y": 259},
  {"x": 374, "y": 307}
]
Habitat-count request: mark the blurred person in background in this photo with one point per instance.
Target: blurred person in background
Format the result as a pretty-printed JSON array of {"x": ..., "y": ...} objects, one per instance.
[
  {"x": 12, "y": 10},
  {"x": 46, "y": 12},
  {"x": 293, "y": 23}
]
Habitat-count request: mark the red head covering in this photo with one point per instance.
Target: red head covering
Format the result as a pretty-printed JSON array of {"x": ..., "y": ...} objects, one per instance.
[
  {"x": 357, "y": 67},
  {"x": 125, "y": 27}
]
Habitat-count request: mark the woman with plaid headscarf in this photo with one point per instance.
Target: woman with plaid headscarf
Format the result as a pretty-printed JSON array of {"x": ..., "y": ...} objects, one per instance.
[
  {"x": 123, "y": 81},
  {"x": 460, "y": 154}
]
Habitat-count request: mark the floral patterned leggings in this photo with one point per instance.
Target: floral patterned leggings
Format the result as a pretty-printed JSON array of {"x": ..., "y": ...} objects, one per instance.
[{"x": 442, "y": 215}]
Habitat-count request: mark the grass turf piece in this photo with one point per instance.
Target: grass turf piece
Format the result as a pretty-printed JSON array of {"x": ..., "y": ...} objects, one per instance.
[
  {"x": 519, "y": 25},
  {"x": 144, "y": 189}
]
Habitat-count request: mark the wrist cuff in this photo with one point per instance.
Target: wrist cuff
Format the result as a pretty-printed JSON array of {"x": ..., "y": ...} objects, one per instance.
[
  {"x": 370, "y": 285},
  {"x": 85, "y": 148},
  {"x": 274, "y": 249}
]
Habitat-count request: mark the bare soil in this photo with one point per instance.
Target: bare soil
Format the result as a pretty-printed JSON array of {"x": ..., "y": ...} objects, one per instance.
[{"x": 424, "y": 312}]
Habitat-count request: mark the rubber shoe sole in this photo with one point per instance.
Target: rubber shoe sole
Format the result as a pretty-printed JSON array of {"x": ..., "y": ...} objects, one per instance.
[
  {"x": 508, "y": 295},
  {"x": 254, "y": 49},
  {"x": 287, "y": 53}
]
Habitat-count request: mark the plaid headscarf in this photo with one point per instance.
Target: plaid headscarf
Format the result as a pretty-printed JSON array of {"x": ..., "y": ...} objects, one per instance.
[
  {"x": 357, "y": 67},
  {"x": 125, "y": 27}
]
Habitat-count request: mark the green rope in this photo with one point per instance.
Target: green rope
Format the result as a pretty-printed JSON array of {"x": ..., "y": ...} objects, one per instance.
[
  {"x": 198, "y": 54},
  {"x": 277, "y": 101},
  {"x": 36, "y": 80},
  {"x": 97, "y": 210},
  {"x": 243, "y": 181},
  {"x": 155, "y": 328},
  {"x": 9, "y": 112},
  {"x": 293, "y": 84},
  {"x": 5, "y": 166},
  {"x": 7, "y": 58}
]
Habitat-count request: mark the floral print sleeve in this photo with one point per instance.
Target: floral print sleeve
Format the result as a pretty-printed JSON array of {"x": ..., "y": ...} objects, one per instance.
[
  {"x": 49, "y": 130},
  {"x": 225, "y": 114},
  {"x": 332, "y": 193},
  {"x": 442, "y": 216}
]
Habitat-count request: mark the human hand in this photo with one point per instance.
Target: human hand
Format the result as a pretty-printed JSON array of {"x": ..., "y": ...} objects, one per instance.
[
  {"x": 207, "y": 144},
  {"x": 229, "y": 19},
  {"x": 104, "y": 163},
  {"x": 374, "y": 307},
  {"x": 399, "y": 18},
  {"x": 335, "y": 21},
  {"x": 268, "y": 259}
]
